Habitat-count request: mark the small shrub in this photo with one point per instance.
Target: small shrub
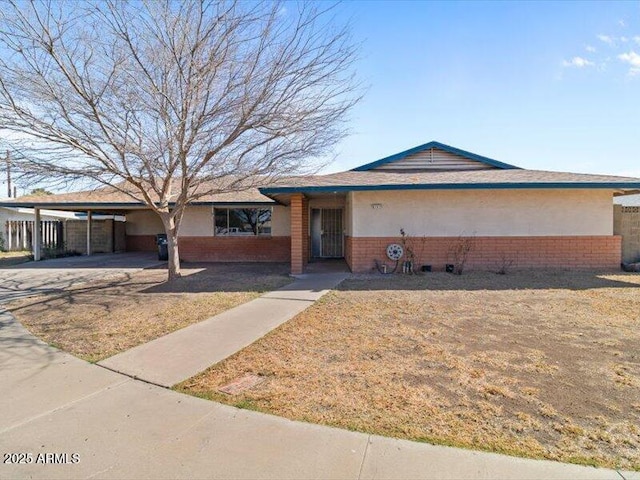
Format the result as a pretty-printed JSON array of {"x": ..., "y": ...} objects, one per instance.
[
  {"x": 53, "y": 250},
  {"x": 414, "y": 251},
  {"x": 506, "y": 262},
  {"x": 459, "y": 253}
]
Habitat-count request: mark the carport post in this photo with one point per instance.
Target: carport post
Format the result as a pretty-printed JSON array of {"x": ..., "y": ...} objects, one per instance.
[
  {"x": 89, "y": 215},
  {"x": 37, "y": 236}
]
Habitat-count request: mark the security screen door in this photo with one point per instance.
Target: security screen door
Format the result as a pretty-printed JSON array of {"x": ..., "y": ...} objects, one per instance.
[{"x": 327, "y": 233}]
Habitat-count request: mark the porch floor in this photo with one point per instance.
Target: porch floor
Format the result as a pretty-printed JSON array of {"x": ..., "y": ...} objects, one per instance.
[{"x": 327, "y": 265}]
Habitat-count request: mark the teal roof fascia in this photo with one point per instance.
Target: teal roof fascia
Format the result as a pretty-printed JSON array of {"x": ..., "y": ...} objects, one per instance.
[
  {"x": 441, "y": 146},
  {"x": 452, "y": 186}
]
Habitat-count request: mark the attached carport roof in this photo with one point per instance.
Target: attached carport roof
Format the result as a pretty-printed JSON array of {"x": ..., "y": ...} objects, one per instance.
[{"x": 113, "y": 200}]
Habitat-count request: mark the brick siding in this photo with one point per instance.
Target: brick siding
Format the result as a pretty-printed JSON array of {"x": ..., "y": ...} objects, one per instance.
[
  {"x": 299, "y": 233},
  {"x": 141, "y": 243},
  {"x": 221, "y": 249},
  {"x": 348, "y": 248},
  {"x": 488, "y": 253}
]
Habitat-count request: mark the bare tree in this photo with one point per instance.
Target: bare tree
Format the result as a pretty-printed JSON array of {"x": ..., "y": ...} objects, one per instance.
[{"x": 170, "y": 102}]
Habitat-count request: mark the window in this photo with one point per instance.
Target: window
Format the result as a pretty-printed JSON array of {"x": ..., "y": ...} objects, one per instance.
[{"x": 242, "y": 221}]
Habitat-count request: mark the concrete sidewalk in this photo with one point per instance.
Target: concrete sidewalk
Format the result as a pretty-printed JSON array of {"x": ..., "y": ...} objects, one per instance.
[{"x": 182, "y": 354}]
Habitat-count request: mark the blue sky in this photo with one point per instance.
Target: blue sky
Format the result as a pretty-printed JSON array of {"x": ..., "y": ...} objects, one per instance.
[{"x": 542, "y": 85}]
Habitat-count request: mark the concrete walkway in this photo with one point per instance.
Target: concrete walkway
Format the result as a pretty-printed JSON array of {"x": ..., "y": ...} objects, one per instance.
[
  {"x": 182, "y": 354},
  {"x": 53, "y": 403}
]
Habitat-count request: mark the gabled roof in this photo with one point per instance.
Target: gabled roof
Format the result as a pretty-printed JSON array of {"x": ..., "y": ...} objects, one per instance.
[
  {"x": 489, "y": 162},
  {"x": 486, "y": 174}
]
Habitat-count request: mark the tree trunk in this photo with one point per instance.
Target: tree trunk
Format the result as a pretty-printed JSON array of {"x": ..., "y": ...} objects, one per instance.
[{"x": 170, "y": 229}]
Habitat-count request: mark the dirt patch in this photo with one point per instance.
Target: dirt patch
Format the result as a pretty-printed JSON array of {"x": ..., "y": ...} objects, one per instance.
[
  {"x": 99, "y": 319},
  {"x": 542, "y": 365}
]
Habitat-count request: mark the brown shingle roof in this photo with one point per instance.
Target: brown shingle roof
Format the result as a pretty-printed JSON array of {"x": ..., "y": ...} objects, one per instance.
[
  {"x": 510, "y": 178},
  {"x": 109, "y": 197}
]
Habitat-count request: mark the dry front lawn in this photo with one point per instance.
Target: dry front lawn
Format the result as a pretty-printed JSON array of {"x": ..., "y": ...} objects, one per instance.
[
  {"x": 543, "y": 365},
  {"x": 14, "y": 258},
  {"x": 97, "y": 320}
]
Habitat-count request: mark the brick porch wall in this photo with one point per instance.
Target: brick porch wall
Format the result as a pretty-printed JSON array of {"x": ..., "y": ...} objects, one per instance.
[
  {"x": 221, "y": 249},
  {"x": 348, "y": 249},
  {"x": 299, "y": 233},
  {"x": 589, "y": 252}
]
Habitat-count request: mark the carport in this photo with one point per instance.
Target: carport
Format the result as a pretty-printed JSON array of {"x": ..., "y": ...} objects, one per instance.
[
  {"x": 198, "y": 238},
  {"x": 70, "y": 202},
  {"x": 91, "y": 212}
]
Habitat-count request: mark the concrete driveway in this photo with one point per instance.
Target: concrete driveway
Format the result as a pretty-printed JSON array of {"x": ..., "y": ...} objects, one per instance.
[
  {"x": 65, "y": 418},
  {"x": 57, "y": 274}
]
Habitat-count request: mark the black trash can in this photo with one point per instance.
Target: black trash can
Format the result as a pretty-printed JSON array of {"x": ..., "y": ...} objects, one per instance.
[{"x": 163, "y": 249}]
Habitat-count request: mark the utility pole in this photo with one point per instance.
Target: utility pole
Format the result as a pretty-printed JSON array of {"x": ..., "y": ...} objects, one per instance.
[{"x": 8, "y": 174}]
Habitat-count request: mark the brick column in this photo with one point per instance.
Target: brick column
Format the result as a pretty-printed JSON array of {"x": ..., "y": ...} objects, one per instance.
[
  {"x": 306, "y": 239},
  {"x": 299, "y": 233}
]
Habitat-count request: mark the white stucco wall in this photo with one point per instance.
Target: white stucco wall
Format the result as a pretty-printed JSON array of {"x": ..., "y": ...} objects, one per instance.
[
  {"x": 198, "y": 222},
  {"x": 281, "y": 221},
  {"x": 483, "y": 212},
  {"x": 348, "y": 215}
]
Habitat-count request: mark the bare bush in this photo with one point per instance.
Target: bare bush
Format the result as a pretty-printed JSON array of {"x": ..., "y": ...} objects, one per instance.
[
  {"x": 414, "y": 248},
  {"x": 459, "y": 253},
  {"x": 506, "y": 262}
]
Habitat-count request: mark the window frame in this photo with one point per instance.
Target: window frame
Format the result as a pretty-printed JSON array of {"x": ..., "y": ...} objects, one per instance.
[{"x": 242, "y": 233}]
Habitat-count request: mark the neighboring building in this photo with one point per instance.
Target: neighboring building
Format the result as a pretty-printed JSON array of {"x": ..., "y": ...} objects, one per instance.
[
  {"x": 27, "y": 214},
  {"x": 626, "y": 223},
  {"x": 62, "y": 229},
  {"x": 628, "y": 201},
  {"x": 435, "y": 192},
  {"x": 16, "y": 225}
]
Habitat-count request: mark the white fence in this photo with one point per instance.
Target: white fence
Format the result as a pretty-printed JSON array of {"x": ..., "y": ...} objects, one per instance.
[{"x": 19, "y": 234}]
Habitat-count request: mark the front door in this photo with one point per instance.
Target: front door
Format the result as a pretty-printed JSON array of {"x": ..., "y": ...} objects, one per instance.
[{"x": 327, "y": 236}]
